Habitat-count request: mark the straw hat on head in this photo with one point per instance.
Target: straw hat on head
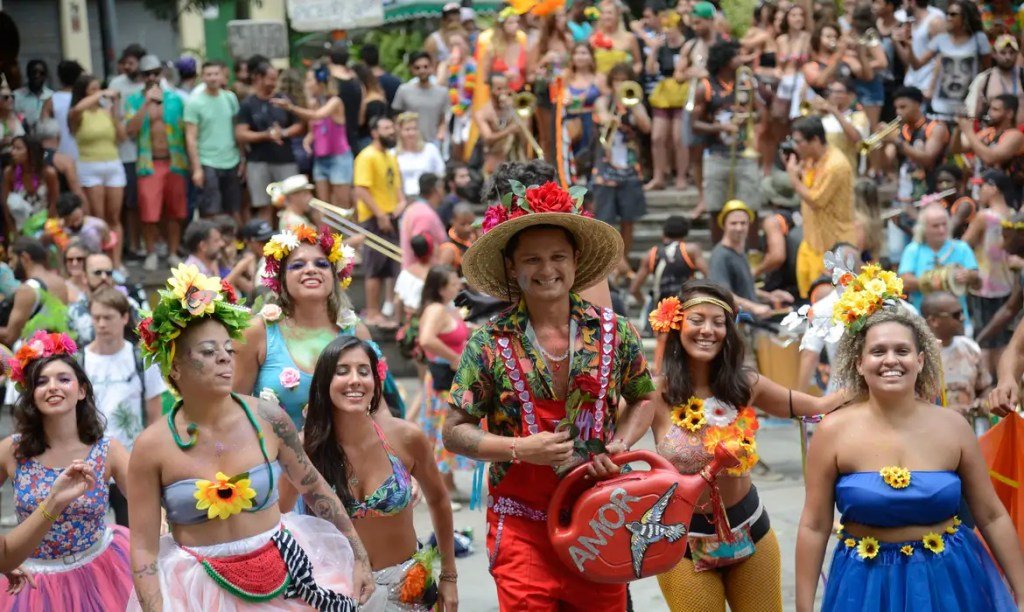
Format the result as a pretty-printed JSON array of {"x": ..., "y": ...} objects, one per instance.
[{"x": 599, "y": 244}]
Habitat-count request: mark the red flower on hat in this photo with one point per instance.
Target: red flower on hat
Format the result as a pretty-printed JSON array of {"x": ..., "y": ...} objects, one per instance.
[
  {"x": 549, "y": 197},
  {"x": 494, "y": 216}
]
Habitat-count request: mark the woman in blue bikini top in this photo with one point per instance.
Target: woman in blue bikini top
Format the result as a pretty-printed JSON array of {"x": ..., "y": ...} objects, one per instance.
[
  {"x": 897, "y": 468},
  {"x": 370, "y": 462}
]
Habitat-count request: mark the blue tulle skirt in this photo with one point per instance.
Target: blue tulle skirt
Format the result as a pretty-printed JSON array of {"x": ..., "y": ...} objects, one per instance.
[{"x": 962, "y": 578}]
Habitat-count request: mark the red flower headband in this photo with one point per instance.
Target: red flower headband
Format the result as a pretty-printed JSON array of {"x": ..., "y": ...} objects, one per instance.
[
  {"x": 546, "y": 198},
  {"x": 40, "y": 345}
]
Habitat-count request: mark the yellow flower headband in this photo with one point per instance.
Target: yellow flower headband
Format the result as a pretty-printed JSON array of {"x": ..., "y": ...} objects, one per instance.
[
  {"x": 281, "y": 245},
  {"x": 860, "y": 296},
  {"x": 669, "y": 313},
  {"x": 1012, "y": 225}
]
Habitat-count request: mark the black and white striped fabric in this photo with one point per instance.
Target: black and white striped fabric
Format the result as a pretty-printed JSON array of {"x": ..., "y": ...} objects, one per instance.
[{"x": 302, "y": 583}]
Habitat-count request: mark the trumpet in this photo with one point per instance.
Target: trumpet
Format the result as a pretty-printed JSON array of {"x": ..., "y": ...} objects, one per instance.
[
  {"x": 745, "y": 83},
  {"x": 877, "y": 138},
  {"x": 627, "y": 94},
  {"x": 691, "y": 94},
  {"x": 524, "y": 104},
  {"x": 870, "y": 38}
]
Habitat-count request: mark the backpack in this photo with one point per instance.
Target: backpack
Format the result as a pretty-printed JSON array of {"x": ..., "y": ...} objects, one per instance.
[{"x": 407, "y": 337}]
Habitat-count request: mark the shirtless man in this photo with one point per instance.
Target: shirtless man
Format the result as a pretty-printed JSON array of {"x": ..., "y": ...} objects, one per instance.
[
  {"x": 503, "y": 138},
  {"x": 155, "y": 120}
]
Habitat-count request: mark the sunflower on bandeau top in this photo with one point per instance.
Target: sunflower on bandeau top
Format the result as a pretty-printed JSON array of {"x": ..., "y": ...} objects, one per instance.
[
  {"x": 860, "y": 296},
  {"x": 189, "y": 295}
]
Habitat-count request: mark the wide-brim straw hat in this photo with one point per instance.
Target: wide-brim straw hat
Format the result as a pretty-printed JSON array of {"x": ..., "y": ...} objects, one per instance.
[{"x": 599, "y": 244}]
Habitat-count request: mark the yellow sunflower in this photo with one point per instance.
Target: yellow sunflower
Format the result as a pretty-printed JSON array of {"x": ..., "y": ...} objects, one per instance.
[
  {"x": 956, "y": 521},
  {"x": 679, "y": 416},
  {"x": 694, "y": 404},
  {"x": 950, "y": 529},
  {"x": 224, "y": 496},
  {"x": 907, "y": 549},
  {"x": 934, "y": 543},
  {"x": 867, "y": 548},
  {"x": 184, "y": 278},
  {"x": 850, "y": 542},
  {"x": 895, "y": 476},
  {"x": 694, "y": 421}
]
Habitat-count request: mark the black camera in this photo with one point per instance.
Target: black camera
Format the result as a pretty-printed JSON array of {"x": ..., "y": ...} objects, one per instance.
[{"x": 786, "y": 148}]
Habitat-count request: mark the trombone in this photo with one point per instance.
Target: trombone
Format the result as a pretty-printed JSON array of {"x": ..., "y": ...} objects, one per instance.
[
  {"x": 746, "y": 84},
  {"x": 628, "y": 94},
  {"x": 524, "y": 104},
  {"x": 691, "y": 93},
  {"x": 877, "y": 138},
  {"x": 870, "y": 38},
  {"x": 338, "y": 219}
]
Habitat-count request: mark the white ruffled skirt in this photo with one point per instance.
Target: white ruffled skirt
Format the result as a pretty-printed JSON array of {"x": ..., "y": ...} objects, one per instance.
[{"x": 185, "y": 585}]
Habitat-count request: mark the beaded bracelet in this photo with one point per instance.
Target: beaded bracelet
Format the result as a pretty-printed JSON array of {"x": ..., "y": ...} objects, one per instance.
[
  {"x": 515, "y": 458},
  {"x": 448, "y": 577}
]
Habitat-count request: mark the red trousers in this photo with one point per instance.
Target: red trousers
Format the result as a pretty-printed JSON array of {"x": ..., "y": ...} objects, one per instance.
[{"x": 531, "y": 578}]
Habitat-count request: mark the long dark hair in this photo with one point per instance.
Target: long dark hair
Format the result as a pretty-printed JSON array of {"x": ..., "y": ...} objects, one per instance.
[
  {"x": 437, "y": 278},
  {"x": 35, "y": 164},
  {"x": 729, "y": 377},
  {"x": 320, "y": 443},
  {"x": 28, "y": 420},
  {"x": 79, "y": 88}
]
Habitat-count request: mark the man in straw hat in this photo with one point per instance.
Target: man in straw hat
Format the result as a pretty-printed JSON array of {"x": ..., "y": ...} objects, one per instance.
[{"x": 548, "y": 374}]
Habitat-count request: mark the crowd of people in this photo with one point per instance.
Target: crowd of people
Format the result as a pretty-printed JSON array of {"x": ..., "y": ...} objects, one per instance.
[{"x": 487, "y": 209}]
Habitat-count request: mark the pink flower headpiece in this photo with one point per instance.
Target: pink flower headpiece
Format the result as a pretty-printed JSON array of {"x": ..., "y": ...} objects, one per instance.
[
  {"x": 277, "y": 249},
  {"x": 41, "y": 344}
]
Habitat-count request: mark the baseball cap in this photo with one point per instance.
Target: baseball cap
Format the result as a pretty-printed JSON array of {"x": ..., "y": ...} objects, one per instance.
[
  {"x": 149, "y": 63},
  {"x": 186, "y": 66},
  {"x": 704, "y": 10},
  {"x": 451, "y": 7},
  {"x": 466, "y": 14},
  {"x": 257, "y": 229}
]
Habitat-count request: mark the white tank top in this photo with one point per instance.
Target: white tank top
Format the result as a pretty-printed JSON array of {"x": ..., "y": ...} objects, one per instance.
[{"x": 922, "y": 77}]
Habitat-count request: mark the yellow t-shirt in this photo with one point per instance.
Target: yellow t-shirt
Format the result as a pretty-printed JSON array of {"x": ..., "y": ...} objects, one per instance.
[{"x": 377, "y": 171}]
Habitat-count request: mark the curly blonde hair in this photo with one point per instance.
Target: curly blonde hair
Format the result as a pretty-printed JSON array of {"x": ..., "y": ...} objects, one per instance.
[{"x": 852, "y": 345}]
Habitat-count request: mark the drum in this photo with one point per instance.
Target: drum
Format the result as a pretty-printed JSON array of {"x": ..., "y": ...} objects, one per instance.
[
  {"x": 943, "y": 278},
  {"x": 630, "y": 526}
]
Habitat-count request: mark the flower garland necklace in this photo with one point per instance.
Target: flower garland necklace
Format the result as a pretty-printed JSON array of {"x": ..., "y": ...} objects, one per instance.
[
  {"x": 721, "y": 423},
  {"x": 225, "y": 496},
  {"x": 461, "y": 83}
]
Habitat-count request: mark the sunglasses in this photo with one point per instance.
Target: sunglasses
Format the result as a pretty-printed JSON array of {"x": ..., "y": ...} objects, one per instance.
[
  {"x": 151, "y": 73},
  {"x": 321, "y": 264},
  {"x": 74, "y": 259},
  {"x": 953, "y": 13},
  {"x": 109, "y": 273}
]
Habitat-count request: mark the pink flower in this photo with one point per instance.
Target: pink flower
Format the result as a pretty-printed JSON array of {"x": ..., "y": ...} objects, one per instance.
[
  {"x": 382, "y": 368},
  {"x": 270, "y": 312},
  {"x": 495, "y": 215},
  {"x": 290, "y": 378},
  {"x": 68, "y": 344}
]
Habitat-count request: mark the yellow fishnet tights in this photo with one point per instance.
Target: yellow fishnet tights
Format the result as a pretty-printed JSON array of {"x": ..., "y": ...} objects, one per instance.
[{"x": 753, "y": 585}]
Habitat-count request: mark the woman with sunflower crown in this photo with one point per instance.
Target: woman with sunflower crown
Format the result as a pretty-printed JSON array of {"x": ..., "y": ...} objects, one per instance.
[
  {"x": 215, "y": 466},
  {"x": 307, "y": 271},
  {"x": 81, "y": 563},
  {"x": 705, "y": 396},
  {"x": 897, "y": 469}
]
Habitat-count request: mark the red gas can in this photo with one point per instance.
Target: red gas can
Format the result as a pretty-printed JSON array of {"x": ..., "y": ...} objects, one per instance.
[{"x": 630, "y": 526}]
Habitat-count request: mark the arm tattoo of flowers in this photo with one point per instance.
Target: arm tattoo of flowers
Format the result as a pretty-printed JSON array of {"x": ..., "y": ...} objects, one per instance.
[
  {"x": 285, "y": 431},
  {"x": 462, "y": 434}
]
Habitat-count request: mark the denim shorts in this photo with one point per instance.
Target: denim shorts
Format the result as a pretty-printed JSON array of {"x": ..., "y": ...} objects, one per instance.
[
  {"x": 336, "y": 169},
  {"x": 870, "y": 93}
]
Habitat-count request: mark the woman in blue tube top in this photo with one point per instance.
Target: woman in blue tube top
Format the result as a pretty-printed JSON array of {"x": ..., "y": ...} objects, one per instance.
[
  {"x": 896, "y": 467},
  {"x": 308, "y": 270}
]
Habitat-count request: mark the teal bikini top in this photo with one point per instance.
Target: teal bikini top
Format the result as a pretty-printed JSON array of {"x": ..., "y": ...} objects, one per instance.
[{"x": 392, "y": 496}]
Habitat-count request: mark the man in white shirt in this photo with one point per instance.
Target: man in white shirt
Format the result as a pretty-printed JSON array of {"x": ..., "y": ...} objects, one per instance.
[
  {"x": 921, "y": 23},
  {"x": 128, "y": 394}
]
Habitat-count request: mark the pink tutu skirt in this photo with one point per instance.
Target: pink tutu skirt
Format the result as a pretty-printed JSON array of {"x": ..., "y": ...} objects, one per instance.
[
  {"x": 98, "y": 581},
  {"x": 185, "y": 585}
]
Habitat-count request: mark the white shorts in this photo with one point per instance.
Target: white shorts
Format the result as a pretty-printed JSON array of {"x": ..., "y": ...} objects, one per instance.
[{"x": 101, "y": 174}]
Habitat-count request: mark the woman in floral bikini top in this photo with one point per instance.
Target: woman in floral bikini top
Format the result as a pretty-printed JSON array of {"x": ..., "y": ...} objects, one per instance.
[{"x": 705, "y": 397}]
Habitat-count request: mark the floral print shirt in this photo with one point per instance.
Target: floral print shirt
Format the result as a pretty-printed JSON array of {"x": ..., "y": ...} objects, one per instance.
[
  {"x": 82, "y": 523},
  {"x": 174, "y": 113},
  {"x": 482, "y": 389}
]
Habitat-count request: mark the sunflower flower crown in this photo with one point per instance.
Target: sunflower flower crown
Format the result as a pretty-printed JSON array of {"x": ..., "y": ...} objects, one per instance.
[
  {"x": 189, "y": 295},
  {"x": 42, "y": 344},
  {"x": 341, "y": 256},
  {"x": 522, "y": 200},
  {"x": 860, "y": 296}
]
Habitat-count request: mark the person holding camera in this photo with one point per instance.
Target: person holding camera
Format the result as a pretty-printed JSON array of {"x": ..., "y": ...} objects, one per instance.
[{"x": 823, "y": 178}]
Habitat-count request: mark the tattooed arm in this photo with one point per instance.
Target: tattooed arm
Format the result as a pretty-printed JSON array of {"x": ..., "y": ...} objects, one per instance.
[
  {"x": 463, "y": 436},
  {"x": 144, "y": 518},
  {"x": 316, "y": 493}
]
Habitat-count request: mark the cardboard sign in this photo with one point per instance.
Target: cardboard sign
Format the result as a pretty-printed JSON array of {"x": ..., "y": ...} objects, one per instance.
[{"x": 248, "y": 37}]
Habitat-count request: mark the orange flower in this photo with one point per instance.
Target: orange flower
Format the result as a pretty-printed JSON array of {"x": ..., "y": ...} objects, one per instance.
[
  {"x": 845, "y": 279},
  {"x": 667, "y": 316},
  {"x": 305, "y": 233},
  {"x": 414, "y": 584},
  {"x": 746, "y": 422}
]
